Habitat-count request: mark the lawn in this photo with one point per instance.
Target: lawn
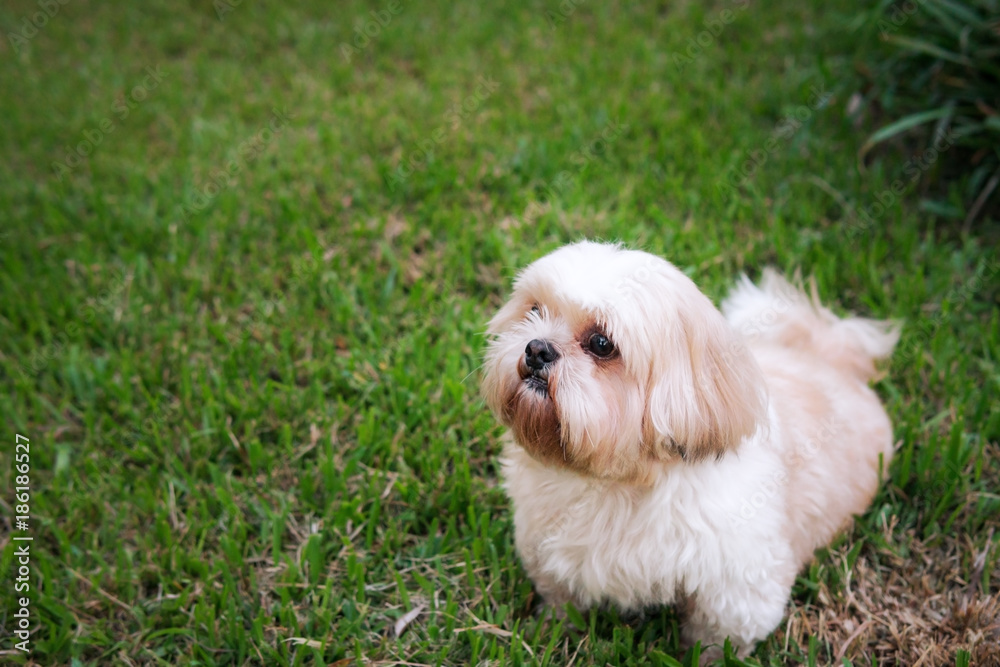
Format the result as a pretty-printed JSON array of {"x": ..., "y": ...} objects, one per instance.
[{"x": 247, "y": 254}]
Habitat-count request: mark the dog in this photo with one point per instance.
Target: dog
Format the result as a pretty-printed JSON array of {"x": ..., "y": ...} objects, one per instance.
[{"x": 661, "y": 452}]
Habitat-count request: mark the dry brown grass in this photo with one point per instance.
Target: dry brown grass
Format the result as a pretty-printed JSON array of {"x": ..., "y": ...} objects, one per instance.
[{"x": 914, "y": 606}]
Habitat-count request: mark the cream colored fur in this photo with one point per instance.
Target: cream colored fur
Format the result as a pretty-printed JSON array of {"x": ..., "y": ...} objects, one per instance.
[{"x": 705, "y": 461}]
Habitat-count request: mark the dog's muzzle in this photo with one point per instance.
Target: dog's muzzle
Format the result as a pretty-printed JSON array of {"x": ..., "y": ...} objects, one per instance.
[{"x": 539, "y": 355}]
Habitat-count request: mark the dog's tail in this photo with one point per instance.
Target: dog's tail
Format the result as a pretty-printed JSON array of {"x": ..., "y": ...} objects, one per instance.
[{"x": 777, "y": 311}]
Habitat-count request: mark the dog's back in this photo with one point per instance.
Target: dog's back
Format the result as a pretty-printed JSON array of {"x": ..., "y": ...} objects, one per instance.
[
  {"x": 777, "y": 312},
  {"x": 835, "y": 435}
]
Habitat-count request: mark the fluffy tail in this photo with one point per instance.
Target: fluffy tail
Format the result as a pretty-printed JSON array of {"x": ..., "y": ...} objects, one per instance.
[{"x": 778, "y": 312}]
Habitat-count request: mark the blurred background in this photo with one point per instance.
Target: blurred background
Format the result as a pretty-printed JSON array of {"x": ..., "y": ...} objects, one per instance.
[{"x": 248, "y": 250}]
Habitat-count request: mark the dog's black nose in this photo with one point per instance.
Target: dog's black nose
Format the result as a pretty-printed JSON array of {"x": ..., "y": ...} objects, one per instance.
[{"x": 539, "y": 354}]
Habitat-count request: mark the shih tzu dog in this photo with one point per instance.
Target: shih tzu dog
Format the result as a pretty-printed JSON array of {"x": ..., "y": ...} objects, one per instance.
[{"x": 663, "y": 452}]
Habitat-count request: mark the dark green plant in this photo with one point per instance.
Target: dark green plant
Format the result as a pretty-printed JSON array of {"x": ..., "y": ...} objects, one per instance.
[{"x": 936, "y": 77}]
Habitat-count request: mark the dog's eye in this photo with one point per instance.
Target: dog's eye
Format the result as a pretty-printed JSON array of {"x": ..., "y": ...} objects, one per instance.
[
  {"x": 600, "y": 345},
  {"x": 535, "y": 309}
]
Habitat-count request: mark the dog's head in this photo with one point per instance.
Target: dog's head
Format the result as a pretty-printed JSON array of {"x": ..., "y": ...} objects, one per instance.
[{"x": 606, "y": 361}]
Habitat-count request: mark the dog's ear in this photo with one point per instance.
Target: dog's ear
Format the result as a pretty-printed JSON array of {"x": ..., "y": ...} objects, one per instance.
[{"x": 706, "y": 392}]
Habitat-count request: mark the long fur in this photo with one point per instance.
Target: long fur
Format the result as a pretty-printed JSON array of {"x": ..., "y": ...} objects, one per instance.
[
  {"x": 781, "y": 313},
  {"x": 706, "y": 460}
]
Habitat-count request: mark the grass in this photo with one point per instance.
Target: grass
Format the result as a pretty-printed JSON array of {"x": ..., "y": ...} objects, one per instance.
[
  {"x": 246, "y": 360},
  {"x": 931, "y": 73}
]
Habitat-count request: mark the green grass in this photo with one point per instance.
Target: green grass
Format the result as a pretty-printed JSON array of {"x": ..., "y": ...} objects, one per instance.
[
  {"x": 932, "y": 73},
  {"x": 256, "y": 436}
]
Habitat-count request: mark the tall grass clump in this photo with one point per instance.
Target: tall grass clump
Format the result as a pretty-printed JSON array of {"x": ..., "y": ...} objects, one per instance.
[{"x": 933, "y": 69}]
